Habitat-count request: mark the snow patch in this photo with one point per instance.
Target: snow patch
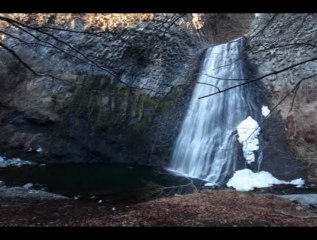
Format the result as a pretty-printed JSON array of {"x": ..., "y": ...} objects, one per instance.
[
  {"x": 39, "y": 149},
  {"x": 298, "y": 182},
  {"x": 13, "y": 162},
  {"x": 248, "y": 131},
  {"x": 265, "y": 111},
  {"x": 246, "y": 180}
]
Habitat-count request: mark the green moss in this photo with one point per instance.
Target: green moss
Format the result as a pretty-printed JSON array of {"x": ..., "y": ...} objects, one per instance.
[
  {"x": 158, "y": 104},
  {"x": 107, "y": 121},
  {"x": 124, "y": 104},
  {"x": 142, "y": 125},
  {"x": 165, "y": 102}
]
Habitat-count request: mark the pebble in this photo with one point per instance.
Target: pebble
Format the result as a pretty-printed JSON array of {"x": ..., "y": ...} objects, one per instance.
[{"x": 39, "y": 149}]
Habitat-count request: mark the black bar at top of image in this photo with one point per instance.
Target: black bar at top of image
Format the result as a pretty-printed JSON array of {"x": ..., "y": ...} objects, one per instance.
[{"x": 157, "y": 6}]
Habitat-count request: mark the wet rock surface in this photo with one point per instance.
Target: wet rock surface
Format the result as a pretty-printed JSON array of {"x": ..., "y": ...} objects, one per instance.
[
  {"x": 277, "y": 41},
  {"x": 27, "y": 193},
  {"x": 92, "y": 115},
  {"x": 306, "y": 200}
]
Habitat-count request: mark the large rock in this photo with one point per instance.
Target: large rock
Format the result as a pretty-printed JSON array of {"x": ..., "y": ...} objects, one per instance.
[
  {"x": 21, "y": 192},
  {"x": 278, "y": 41},
  {"x": 93, "y": 116},
  {"x": 306, "y": 200}
]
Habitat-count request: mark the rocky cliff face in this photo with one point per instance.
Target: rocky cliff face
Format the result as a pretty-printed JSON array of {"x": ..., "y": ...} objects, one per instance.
[
  {"x": 121, "y": 82},
  {"x": 276, "y": 42}
]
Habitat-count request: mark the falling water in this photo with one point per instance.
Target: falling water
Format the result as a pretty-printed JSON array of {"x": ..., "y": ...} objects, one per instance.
[{"x": 207, "y": 146}]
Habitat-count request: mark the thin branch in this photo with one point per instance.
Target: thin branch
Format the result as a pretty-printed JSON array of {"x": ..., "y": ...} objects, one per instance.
[
  {"x": 295, "y": 216},
  {"x": 21, "y": 40},
  {"x": 172, "y": 23},
  {"x": 299, "y": 44},
  {"x": 14, "y": 54},
  {"x": 68, "y": 48},
  {"x": 169, "y": 190},
  {"x": 78, "y": 52},
  {"x": 294, "y": 95},
  {"x": 18, "y": 58},
  {"x": 265, "y": 26},
  {"x": 209, "y": 85},
  {"x": 226, "y": 79},
  {"x": 49, "y": 43},
  {"x": 294, "y": 90},
  {"x": 97, "y": 34},
  {"x": 238, "y": 59},
  {"x": 15, "y": 23},
  {"x": 260, "y": 78}
]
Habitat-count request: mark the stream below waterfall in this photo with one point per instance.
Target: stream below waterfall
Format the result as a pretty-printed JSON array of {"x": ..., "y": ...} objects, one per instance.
[{"x": 115, "y": 183}]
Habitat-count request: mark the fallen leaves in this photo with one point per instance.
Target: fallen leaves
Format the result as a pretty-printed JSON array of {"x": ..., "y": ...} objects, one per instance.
[{"x": 215, "y": 208}]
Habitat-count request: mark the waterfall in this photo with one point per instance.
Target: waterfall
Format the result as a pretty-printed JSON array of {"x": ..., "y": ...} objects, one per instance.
[{"x": 207, "y": 147}]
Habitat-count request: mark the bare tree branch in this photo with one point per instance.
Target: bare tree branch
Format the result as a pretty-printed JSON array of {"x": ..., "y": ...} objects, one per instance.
[
  {"x": 281, "y": 212},
  {"x": 14, "y": 54},
  {"x": 209, "y": 85},
  {"x": 259, "y": 78},
  {"x": 21, "y": 40},
  {"x": 269, "y": 22},
  {"x": 295, "y": 44},
  {"x": 19, "y": 24},
  {"x": 173, "y": 22},
  {"x": 18, "y": 58},
  {"x": 293, "y": 90}
]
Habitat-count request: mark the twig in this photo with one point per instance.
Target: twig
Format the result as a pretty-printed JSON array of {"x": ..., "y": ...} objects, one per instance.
[
  {"x": 209, "y": 85},
  {"x": 260, "y": 78},
  {"x": 294, "y": 216},
  {"x": 14, "y": 54}
]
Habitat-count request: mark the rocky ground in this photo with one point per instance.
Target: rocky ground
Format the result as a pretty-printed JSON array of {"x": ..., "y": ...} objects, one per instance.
[{"x": 207, "y": 208}]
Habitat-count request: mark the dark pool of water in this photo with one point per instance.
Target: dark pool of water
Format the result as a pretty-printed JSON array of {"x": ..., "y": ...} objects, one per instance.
[{"x": 112, "y": 183}]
